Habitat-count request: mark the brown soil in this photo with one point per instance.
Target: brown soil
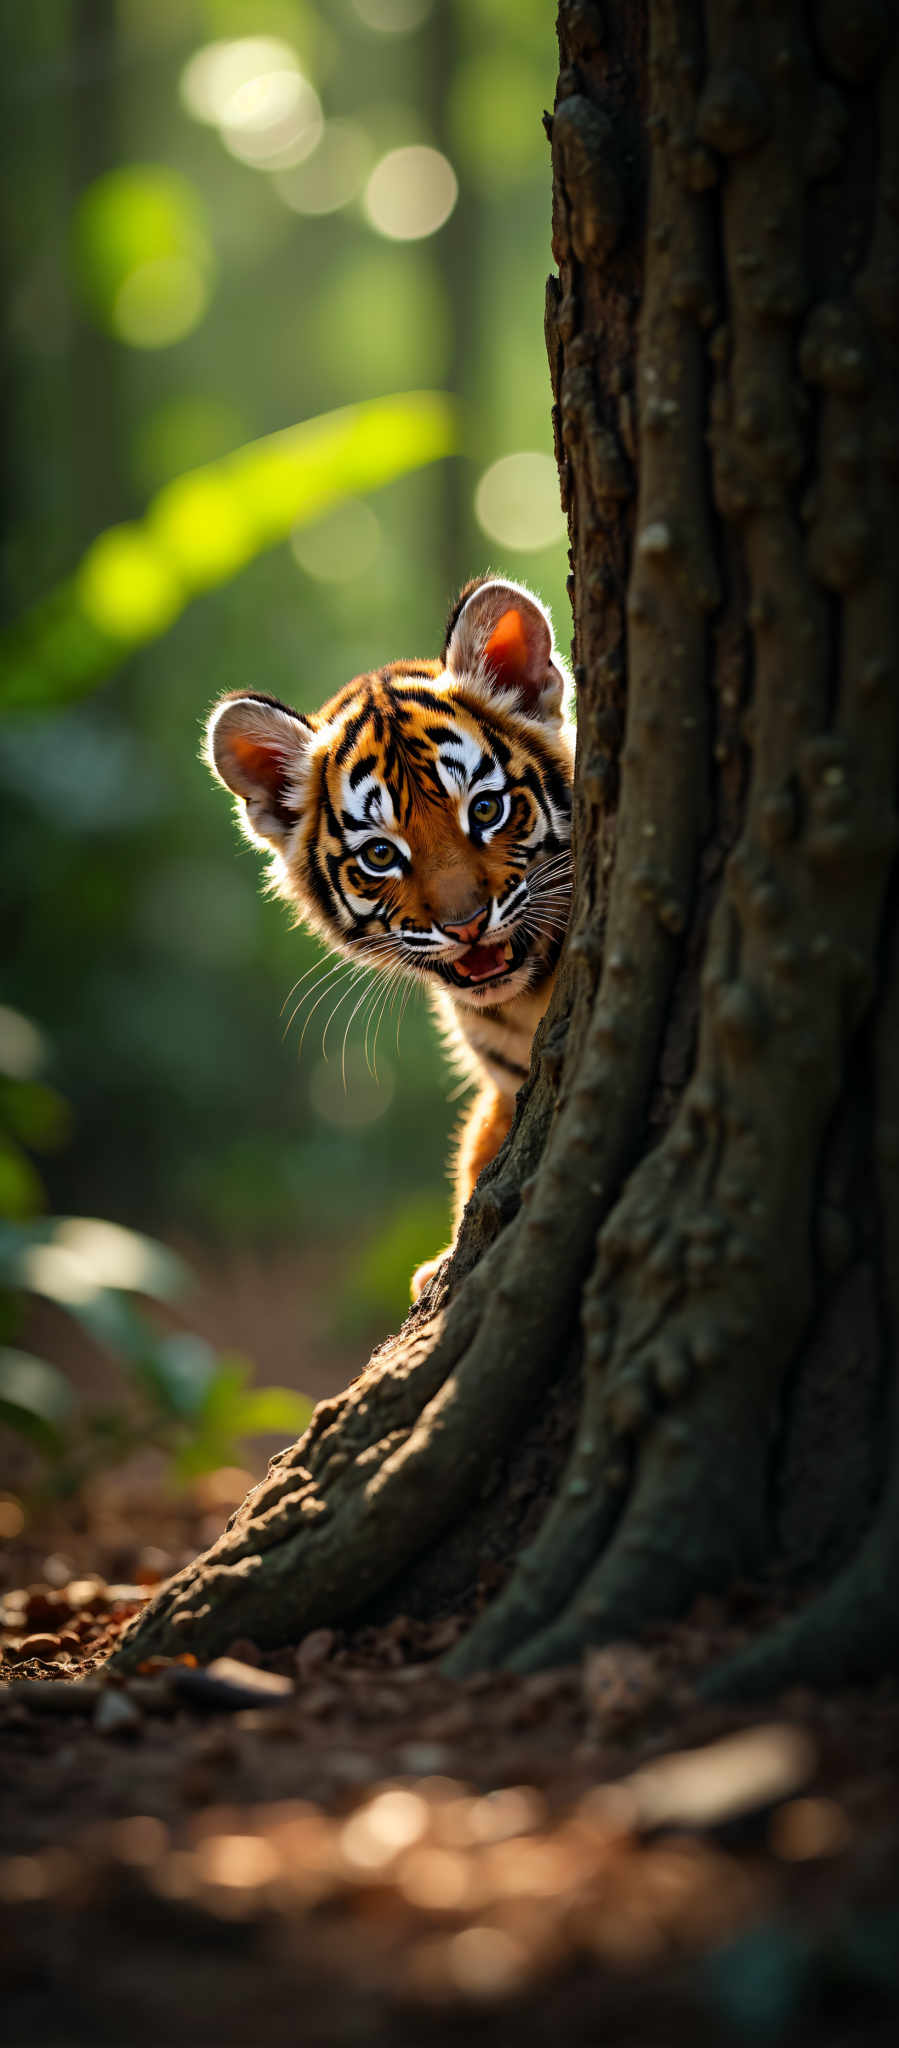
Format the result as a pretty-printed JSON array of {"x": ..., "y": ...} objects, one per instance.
[{"x": 369, "y": 1852}]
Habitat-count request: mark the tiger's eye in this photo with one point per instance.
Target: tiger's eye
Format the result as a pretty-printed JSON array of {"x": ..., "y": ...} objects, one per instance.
[
  {"x": 486, "y": 809},
  {"x": 378, "y": 853}
]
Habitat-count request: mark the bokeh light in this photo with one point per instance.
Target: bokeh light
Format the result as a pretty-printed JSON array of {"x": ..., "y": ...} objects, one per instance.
[
  {"x": 214, "y": 74},
  {"x": 142, "y": 255},
  {"x": 345, "y": 1089},
  {"x": 332, "y": 175},
  {"x": 253, "y": 91},
  {"x": 517, "y": 502},
  {"x": 410, "y": 193},
  {"x": 159, "y": 302},
  {"x": 340, "y": 547},
  {"x": 273, "y": 121}
]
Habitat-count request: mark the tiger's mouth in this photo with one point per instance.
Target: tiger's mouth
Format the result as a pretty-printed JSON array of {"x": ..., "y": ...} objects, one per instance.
[
  {"x": 486, "y": 961},
  {"x": 483, "y": 963}
]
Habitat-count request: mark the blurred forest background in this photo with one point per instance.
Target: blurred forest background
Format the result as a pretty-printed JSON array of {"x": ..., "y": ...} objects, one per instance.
[{"x": 224, "y": 219}]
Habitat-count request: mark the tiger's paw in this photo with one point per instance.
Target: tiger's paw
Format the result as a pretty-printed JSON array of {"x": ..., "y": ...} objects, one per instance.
[{"x": 425, "y": 1272}]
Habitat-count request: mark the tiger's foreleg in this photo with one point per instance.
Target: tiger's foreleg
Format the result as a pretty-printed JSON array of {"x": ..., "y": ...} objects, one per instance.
[{"x": 477, "y": 1141}]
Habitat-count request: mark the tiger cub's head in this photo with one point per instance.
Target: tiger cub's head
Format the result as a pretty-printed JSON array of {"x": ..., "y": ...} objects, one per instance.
[{"x": 421, "y": 819}]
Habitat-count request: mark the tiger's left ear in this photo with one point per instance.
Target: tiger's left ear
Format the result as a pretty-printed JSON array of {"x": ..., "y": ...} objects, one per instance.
[{"x": 500, "y": 636}]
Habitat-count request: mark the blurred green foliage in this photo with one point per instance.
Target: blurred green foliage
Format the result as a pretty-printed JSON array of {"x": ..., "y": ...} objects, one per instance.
[
  {"x": 175, "y": 307},
  {"x": 176, "y": 1392},
  {"x": 201, "y": 529}
]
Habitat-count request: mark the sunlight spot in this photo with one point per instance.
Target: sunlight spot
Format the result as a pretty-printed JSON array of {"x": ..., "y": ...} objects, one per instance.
[
  {"x": 332, "y": 175},
  {"x": 376, "y": 1833},
  {"x": 410, "y": 193},
  {"x": 341, "y": 546},
  {"x": 159, "y": 302},
  {"x": 517, "y": 502},
  {"x": 213, "y": 75},
  {"x": 513, "y": 1810},
  {"x": 273, "y": 121},
  {"x": 241, "y": 1861}
]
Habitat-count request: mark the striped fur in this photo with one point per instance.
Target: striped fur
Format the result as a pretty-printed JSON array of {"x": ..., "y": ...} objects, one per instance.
[{"x": 421, "y": 822}]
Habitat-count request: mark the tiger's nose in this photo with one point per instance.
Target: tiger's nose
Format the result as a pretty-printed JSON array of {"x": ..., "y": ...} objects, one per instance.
[{"x": 471, "y": 928}]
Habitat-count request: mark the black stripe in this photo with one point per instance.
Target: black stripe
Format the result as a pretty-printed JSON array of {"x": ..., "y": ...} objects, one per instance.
[
  {"x": 351, "y": 733},
  {"x": 425, "y": 698},
  {"x": 498, "y": 1059},
  {"x": 485, "y": 766},
  {"x": 362, "y": 768}
]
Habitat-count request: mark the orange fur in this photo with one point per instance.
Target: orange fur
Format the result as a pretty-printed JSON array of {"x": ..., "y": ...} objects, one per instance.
[{"x": 420, "y": 822}]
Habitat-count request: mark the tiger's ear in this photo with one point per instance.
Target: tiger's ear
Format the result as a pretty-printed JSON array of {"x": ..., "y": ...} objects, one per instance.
[
  {"x": 501, "y": 637},
  {"x": 259, "y": 749}
]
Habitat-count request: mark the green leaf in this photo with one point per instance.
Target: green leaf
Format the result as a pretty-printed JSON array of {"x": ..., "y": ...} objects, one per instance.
[
  {"x": 73, "y": 1260},
  {"x": 273, "y": 1408},
  {"x": 232, "y": 1410},
  {"x": 35, "y": 1398},
  {"x": 37, "y": 1114},
  {"x": 21, "y": 1189},
  {"x": 202, "y": 528},
  {"x": 179, "y": 1370}
]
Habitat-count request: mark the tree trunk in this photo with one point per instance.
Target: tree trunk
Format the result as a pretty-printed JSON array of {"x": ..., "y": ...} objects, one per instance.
[{"x": 675, "y": 1299}]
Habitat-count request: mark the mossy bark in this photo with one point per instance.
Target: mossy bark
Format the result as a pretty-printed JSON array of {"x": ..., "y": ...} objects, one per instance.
[{"x": 683, "y": 1267}]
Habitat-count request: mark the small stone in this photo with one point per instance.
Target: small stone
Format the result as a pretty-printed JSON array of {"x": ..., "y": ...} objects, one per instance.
[
  {"x": 315, "y": 1649},
  {"x": 227, "y": 1686},
  {"x": 43, "y": 1646},
  {"x": 117, "y": 1715}
]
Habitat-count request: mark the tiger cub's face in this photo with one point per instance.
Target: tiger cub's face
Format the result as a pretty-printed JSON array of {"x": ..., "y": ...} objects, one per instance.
[{"x": 421, "y": 819}]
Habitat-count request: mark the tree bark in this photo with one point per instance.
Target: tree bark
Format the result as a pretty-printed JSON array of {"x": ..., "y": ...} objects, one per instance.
[{"x": 675, "y": 1297}]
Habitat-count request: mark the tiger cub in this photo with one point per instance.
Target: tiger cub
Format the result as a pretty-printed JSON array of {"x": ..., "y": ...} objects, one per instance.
[{"x": 422, "y": 820}]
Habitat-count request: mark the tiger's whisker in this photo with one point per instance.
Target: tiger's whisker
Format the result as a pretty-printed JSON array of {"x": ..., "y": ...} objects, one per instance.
[{"x": 328, "y": 976}]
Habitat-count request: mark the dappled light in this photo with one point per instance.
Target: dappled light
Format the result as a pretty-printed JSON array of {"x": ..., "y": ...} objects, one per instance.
[
  {"x": 332, "y": 175},
  {"x": 410, "y": 194},
  {"x": 216, "y": 73},
  {"x": 142, "y": 255},
  {"x": 517, "y": 502}
]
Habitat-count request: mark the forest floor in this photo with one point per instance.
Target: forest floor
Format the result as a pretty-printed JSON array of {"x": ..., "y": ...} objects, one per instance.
[{"x": 338, "y": 1844}]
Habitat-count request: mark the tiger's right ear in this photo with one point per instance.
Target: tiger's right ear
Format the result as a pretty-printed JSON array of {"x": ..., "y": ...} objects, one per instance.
[{"x": 259, "y": 748}]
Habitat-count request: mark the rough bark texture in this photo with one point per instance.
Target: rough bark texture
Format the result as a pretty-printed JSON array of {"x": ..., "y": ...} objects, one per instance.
[{"x": 677, "y": 1286}]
